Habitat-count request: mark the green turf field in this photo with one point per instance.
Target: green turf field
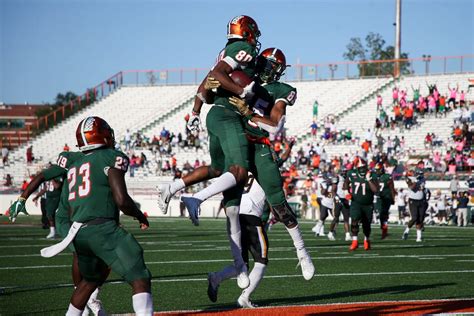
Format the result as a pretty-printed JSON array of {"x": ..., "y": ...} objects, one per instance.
[{"x": 180, "y": 255}]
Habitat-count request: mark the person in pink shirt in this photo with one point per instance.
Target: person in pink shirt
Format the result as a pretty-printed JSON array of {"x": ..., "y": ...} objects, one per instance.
[
  {"x": 452, "y": 95},
  {"x": 431, "y": 105},
  {"x": 379, "y": 102},
  {"x": 395, "y": 95},
  {"x": 462, "y": 98},
  {"x": 459, "y": 145},
  {"x": 437, "y": 160}
]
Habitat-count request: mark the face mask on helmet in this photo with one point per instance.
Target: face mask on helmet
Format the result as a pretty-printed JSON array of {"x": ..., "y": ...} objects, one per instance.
[
  {"x": 271, "y": 64},
  {"x": 362, "y": 170}
]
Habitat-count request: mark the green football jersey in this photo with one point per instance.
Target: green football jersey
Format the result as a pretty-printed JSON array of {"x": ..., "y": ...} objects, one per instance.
[
  {"x": 239, "y": 55},
  {"x": 65, "y": 160},
  {"x": 274, "y": 92},
  {"x": 90, "y": 195},
  {"x": 384, "y": 179},
  {"x": 53, "y": 192},
  {"x": 360, "y": 189}
]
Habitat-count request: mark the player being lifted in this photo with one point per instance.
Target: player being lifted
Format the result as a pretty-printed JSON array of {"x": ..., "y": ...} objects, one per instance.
[
  {"x": 363, "y": 186},
  {"x": 385, "y": 198},
  {"x": 61, "y": 217},
  {"x": 268, "y": 117},
  {"x": 97, "y": 191}
]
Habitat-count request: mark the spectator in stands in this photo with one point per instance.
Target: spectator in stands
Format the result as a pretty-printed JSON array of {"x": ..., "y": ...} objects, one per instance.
[
  {"x": 314, "y": 129},
  {"x": 66, "y": 147},
  {"x": 395, "y": 95},
  {"x": 29, "y": 155},
  {"x": 379, "y": 102},
  {"x": 315, "y": 110},
  {"x": 5, "y": 153},
  {"x": 127, "y": 139},
  {"x": 8, "y": 180},
  {"x": 452, "y": 95}
]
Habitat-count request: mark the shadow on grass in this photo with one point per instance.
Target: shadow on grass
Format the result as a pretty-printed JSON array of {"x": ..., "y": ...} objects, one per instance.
[{"x": 322, "y": 299}]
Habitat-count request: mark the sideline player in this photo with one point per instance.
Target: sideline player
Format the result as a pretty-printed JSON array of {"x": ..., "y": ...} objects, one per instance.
[
  {"x": 416, "y": 203},
  {"x": 363, "y": 186},
  {"x": 341, "y": 206},
  {"x": 328, "y": 188},
  {"x": 385, "y": 197},
  {"x": 97, "y": 191}
]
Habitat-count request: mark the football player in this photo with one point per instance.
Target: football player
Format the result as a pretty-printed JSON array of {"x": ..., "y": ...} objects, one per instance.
[
  {"x": 254, "y": 210},
  {"x": 228, "y": 145},
  {"x": 97, "y": 191},
  {"x": 416, "y": 203},
  {"x": 326, "y": 203},
  {"x": 52, "y": 191},
  {"x": 267, "y": 116},
  {"x": 363, "y": 186},
  {"x": 385, "y": 197},
  {"x": 341, "y": 206},
  {"x": 61, "y": 216}
]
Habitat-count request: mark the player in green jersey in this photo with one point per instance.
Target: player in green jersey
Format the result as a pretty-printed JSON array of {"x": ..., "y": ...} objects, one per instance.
[
  {"x": 363, "y": 186},
  {"x": 385, "y": 198},
  {"x": 97, "y": 191},
  {"x": 266, "y": 116},
  {"x": 228, "y": 145},
  {"x": 61, "y": 218},
  {"x": 52, "y": 191}
]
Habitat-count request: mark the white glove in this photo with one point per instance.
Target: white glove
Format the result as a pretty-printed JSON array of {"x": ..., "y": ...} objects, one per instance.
[
  {"x": 368, "y": 177},
  {"x": 194, "y": 123},
  {"x": 248, "y": 91}
]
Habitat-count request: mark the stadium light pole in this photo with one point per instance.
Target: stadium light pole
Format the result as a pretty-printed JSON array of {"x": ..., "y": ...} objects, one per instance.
[{"x": 398, "y": 36}]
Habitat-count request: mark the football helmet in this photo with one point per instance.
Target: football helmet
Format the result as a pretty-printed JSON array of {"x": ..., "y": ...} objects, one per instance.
[
  {"x": 362, "y": 167},
  {"x": 94, "y": 132},
  {"x": 379, "y": 168},
  {"x": 271, "y": 64},
  {"x": 244, "y": 27}
]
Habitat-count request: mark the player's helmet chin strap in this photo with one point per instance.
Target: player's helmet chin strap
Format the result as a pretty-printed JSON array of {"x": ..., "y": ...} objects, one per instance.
[{"x": 273, "y": 129}]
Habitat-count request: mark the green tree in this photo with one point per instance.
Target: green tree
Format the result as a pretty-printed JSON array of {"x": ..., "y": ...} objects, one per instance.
[
  {"x": 65, "y": 98},
  {"x": 374, "y": 49}
]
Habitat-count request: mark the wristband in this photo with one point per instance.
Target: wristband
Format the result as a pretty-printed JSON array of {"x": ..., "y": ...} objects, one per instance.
[
  {"x": 195, "y": 113},
  {"x": 20, "y": 198}
]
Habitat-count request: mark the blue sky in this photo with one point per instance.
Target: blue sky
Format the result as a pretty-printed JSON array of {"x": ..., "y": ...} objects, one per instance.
[{"x": 51, "y": 46}]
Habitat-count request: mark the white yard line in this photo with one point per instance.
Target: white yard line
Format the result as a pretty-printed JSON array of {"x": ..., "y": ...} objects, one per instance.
[{"x": 358, "y": 256}]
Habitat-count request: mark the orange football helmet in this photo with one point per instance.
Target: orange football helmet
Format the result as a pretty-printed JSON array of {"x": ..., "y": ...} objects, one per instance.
[
  {"x": 379, "y": 168},
  {"x": 244, "y": 27},
  {"x": 271, "y": 64},
  {"x": 94, "y": 132}
]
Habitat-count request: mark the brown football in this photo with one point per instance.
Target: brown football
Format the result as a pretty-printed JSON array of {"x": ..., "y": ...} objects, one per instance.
[{"x": 240, "y": 78}]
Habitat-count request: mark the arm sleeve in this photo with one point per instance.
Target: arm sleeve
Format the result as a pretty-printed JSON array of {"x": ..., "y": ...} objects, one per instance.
[{"x": 54, "y": 171}]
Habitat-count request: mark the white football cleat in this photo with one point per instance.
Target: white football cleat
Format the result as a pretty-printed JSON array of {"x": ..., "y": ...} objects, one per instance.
[
  {"x": 51, "y": 235},
  {"x": 243, "y": 280},
  {"x": 331, "y": 236},
  {"x": 96, "y": 307},
  {"x": 315, "y": 229},
  {"x": 307, "y": 267},
  {"x": 245, "y": 302},
  {"x": 348, "y": 237},
  {"x": 419, "y": 240},
  {"x": 164, "y": 197}
]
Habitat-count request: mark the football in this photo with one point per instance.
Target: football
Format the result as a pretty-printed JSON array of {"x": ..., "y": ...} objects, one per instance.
[{"x": 240, "y": 78}]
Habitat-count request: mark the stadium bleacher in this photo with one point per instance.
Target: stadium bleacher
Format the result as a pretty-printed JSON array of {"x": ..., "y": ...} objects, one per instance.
[{"x": 148, "y": 109}]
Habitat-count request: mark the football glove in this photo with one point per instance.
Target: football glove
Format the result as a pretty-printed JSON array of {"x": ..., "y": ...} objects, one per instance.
[
  {"x": 194, "y": 122},
  {"x": 241, "y": 106},
  {"x": 16, "y": 208},
  {"x": 211, "y": 83},
  {"x": 248, "y": 91}
]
